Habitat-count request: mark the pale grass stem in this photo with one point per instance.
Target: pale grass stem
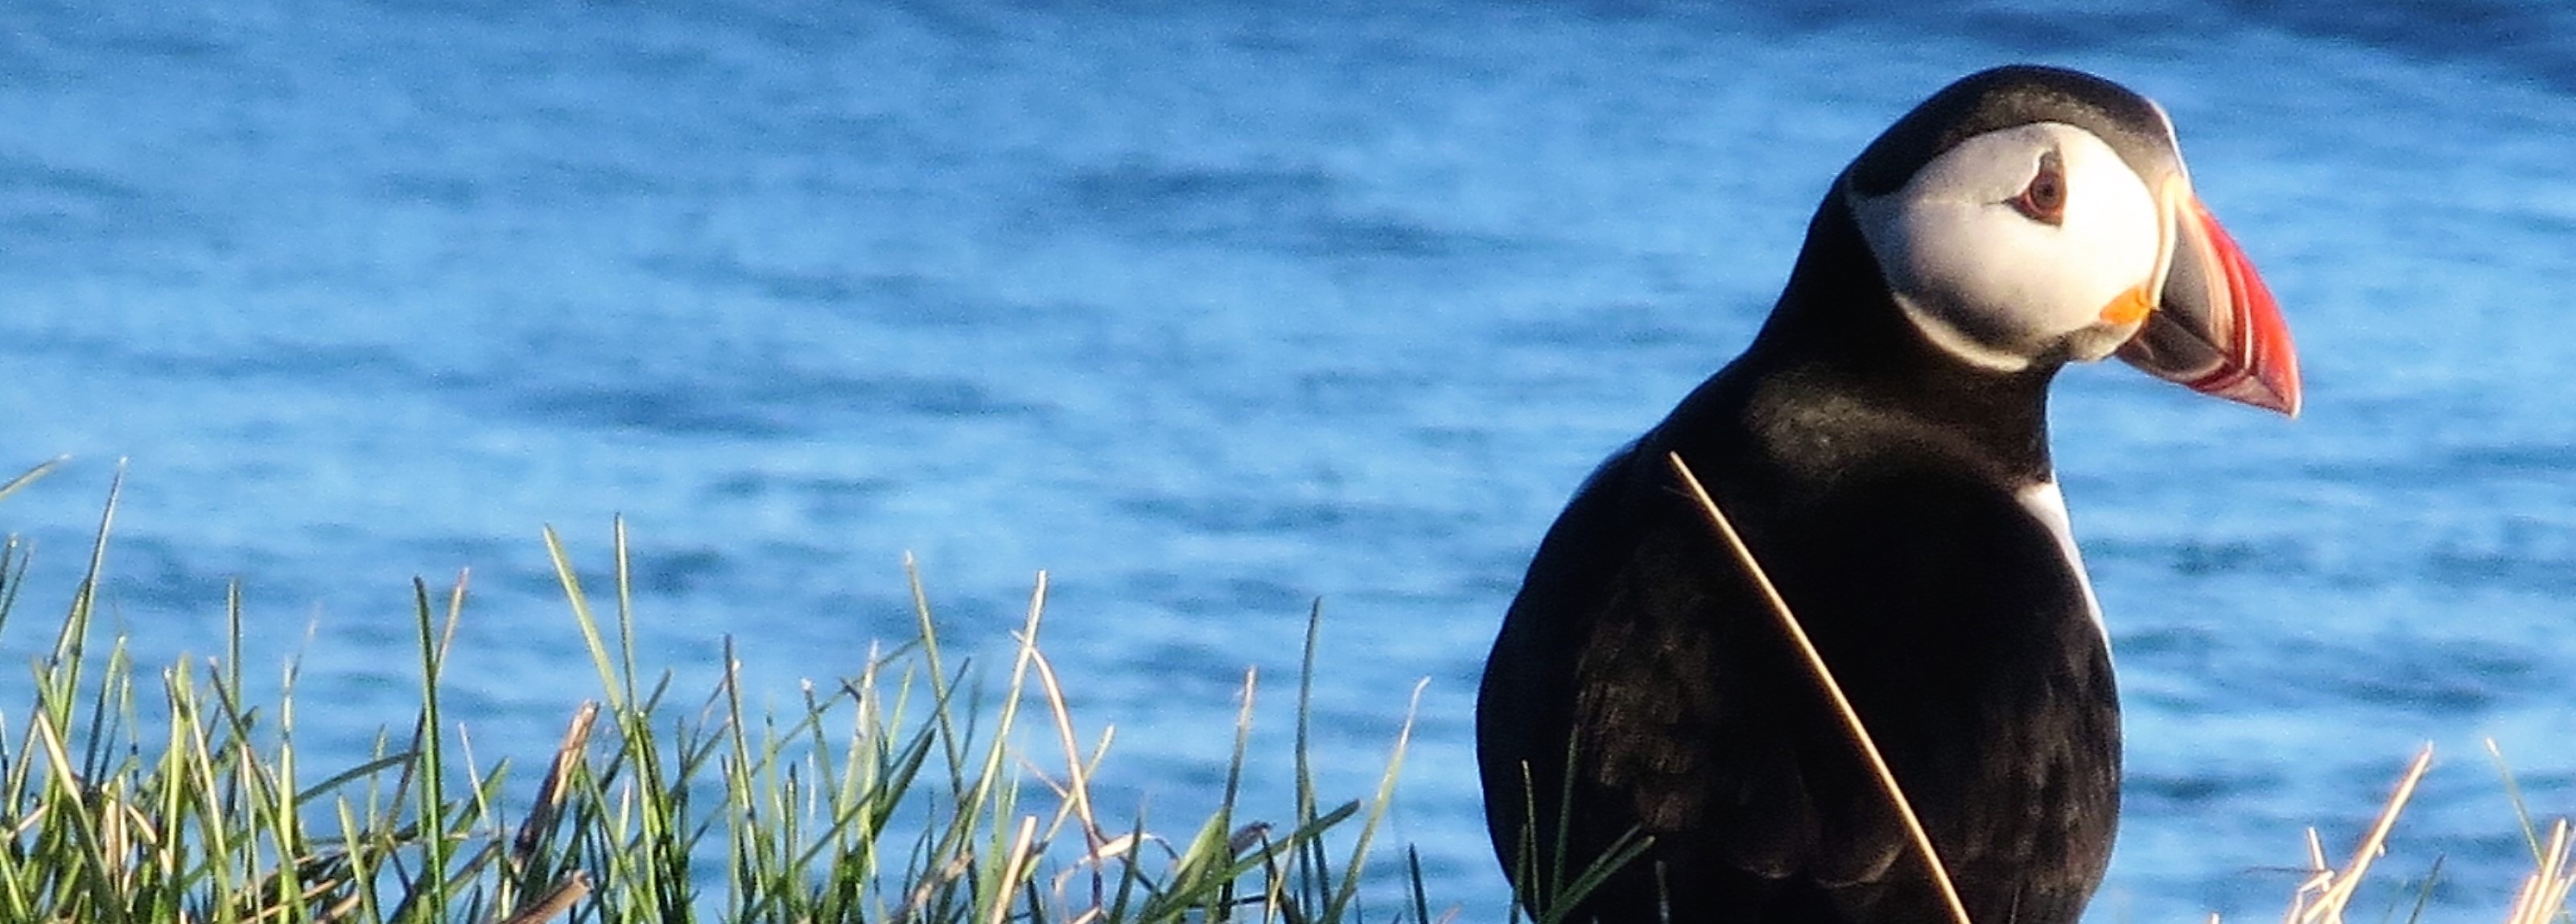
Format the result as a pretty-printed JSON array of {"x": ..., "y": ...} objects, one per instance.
[
  {"x": 2545, "y": 890},
  {"x": 2322, "y": 897},
  {"x": 574, "y": 887},
  {"x": 1824, "y": 676}
]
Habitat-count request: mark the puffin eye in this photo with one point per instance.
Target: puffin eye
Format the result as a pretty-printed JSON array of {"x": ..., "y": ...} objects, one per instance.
[{"x": 2044, "y": 200}]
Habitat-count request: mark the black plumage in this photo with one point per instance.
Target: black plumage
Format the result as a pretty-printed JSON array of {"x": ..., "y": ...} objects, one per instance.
[{"x": 1884, "y": 484}]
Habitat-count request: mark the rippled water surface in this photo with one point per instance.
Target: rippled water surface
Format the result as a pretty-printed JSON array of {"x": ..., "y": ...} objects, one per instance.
[{"x": 1212, "y": 310}]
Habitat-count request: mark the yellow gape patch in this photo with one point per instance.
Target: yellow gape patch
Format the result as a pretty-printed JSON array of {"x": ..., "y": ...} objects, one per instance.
[{"x": 2129, "y": 307}]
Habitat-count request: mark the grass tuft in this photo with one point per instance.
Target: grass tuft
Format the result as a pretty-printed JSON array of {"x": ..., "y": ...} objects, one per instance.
[{"x": 898, "y": 795}]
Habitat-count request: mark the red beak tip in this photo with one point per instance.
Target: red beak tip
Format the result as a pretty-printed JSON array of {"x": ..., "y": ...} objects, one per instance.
[{"x": 2268, "y": 369}]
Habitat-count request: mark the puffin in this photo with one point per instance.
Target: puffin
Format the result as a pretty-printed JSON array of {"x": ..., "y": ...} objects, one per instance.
[{"x": 1653, "y": 748}]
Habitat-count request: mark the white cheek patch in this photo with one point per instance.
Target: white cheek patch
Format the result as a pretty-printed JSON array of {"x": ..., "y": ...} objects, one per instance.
[{"x": 1997, "y": 287}]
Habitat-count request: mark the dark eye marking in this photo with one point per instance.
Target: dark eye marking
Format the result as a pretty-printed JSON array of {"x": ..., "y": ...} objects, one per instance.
[{"x": 2044, "y": 200}]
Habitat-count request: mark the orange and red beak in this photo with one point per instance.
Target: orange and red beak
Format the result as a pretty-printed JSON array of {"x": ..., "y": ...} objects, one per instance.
[{"x": 2215, "y": 328}]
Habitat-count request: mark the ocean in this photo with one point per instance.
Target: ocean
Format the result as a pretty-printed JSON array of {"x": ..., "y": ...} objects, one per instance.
[{"x": 1217, "y": 312}]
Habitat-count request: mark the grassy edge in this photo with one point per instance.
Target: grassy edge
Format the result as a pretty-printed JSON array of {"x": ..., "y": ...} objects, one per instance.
[
  {"x": 205, "y": 818},
  {"x": 900, "y": 795}
]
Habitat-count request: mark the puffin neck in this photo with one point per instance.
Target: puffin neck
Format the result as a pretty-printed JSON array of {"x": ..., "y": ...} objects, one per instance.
[{"x": 1837, "y": 329}]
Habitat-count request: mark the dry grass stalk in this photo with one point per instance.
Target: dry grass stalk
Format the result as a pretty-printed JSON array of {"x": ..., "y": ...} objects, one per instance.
[
  {"x": 1825, "y": 678},
  {"x": 929, "y": 886},
  {"x": 2544, "y": 892},
  {"x": 1076, "y": 789},
  {"x": 550, "y": 794},
  {"x": 1098, "y": 847},
  {"x": 557, "y": 900},
  {"x": 2321, "y": 899},
  {"x": 1024, "y": 852}
]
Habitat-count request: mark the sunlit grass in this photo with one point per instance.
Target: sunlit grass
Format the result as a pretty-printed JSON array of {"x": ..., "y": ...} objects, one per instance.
[
  {"x": 905, "y": 794},
  {"x": 899, "y": 795}
]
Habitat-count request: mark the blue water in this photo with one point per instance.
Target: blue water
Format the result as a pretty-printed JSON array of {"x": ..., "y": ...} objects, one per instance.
[{"x": 1215, "y": 309}]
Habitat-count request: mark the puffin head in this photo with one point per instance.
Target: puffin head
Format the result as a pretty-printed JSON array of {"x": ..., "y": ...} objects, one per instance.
[{"x": 2028, "y": 215}]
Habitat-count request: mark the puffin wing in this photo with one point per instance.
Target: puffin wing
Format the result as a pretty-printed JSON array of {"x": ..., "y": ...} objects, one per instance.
[
  {"x": 1947, "y": 609},
  {"x": 1700, "y": 722},
  {"x": 1633, "y": 629}
]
